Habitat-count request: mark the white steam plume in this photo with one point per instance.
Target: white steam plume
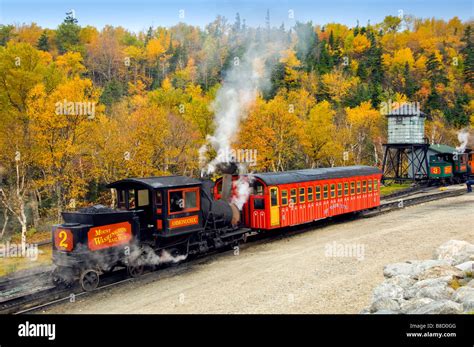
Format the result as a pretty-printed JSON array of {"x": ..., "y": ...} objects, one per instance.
[
  {"x": 239, "y": 91},
  {"x": 463, "y": 138}
]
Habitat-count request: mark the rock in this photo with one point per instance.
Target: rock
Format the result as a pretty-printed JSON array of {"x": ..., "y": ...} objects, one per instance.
[
  {"x": 441, "y": 271},
  {"x": 396, "y": 269},
  {"x": 384, "y": 304},
  {"x": 421, "y": 266},
  {"x": 413, "y": 304},
  {"x": 437, "y": 292},
  {"x": 387, "y": 290},
  {"x": 403, "y": 281},
  {"x": 465, "y": 296},
  {"x": 411, "y": 292},
  {"x": 471, "y": 284},
  {"x": 412, "y": 268},
  {"x": 439, "y": 307},
  {"x": 455, "y": 251},
  {"x": 467, "y": 266}
]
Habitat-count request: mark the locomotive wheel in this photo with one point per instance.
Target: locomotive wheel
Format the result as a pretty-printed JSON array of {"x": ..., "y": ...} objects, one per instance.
[
  {"x": 89, "y": 280},
  {"x": 135, "y": 270}
]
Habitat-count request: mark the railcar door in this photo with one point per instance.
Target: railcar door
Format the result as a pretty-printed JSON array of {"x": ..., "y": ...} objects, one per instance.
[{"x": 274, "y": 207}]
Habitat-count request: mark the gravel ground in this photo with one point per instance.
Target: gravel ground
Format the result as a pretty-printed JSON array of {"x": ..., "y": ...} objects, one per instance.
[{"x": 294, "y": 274}]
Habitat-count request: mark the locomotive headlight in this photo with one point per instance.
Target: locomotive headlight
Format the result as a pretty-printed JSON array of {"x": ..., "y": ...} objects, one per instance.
[{"x": 63, "y": 239}]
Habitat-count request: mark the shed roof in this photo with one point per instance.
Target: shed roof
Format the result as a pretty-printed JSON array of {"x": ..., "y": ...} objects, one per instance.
[
  {"x": 295, "y": 176},
  {"x": 158, "y": 182}
]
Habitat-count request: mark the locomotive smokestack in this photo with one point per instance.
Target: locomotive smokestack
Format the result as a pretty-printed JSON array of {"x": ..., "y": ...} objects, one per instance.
[{"x": 227, "y": 169}]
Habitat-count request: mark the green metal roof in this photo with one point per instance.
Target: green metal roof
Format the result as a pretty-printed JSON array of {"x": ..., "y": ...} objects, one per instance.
[{"x": 438, "y": 148}]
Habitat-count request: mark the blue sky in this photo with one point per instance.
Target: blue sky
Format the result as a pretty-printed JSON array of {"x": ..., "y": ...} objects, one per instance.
[{"x": 140, "y": 14}]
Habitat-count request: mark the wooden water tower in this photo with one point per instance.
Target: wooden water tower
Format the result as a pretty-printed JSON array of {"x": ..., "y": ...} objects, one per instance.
[{"x": 406, "y": 151}]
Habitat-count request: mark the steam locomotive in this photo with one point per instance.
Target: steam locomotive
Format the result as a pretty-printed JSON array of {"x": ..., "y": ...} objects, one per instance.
[{"x": 170, "y": 218}]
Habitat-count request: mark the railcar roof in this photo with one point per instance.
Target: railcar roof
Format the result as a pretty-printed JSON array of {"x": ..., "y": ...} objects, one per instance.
[
  {"x": 157, "y": 182},
  {"x": 295, "y": 176}
]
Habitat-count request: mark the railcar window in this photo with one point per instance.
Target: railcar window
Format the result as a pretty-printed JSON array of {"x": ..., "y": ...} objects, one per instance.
[
  {"x": 352, "y": 188},
  {"x": 364, "y": 186},
  {"x": 325, "y": 192},
  {"x": 358, "y": 187},
  {"x": 339, "y": 190},
  {"x": 370, "y": 186},
  {"x": 190, "y": 199},
  {"x": 293, "y": 195},
  {"x": 333, "y": 191},
  {"x": 258, "y": 204},
  {"x": 346, "y": 189},
  {"x": 284, "y": 197},
  {"x": 376, "y": 185},
  {"x": 258, "y": 188},
  {"x": 159, "y": 198},
  {"x": 302, "y": 195},
  {"x": 310, "y": 194},
  {"x": 143, "y": 197},
  {"x": 318, "y": 193},
  {"x": 274, "y": 196},
  {"x": 176, "y": 201},
  {"x": 131, "y": 199}
]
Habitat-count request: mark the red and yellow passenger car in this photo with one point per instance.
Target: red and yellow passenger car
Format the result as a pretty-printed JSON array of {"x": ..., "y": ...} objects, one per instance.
[{"x": 282, "y": 199}]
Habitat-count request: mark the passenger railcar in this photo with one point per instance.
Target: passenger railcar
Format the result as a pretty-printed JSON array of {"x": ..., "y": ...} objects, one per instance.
[{"x": 282, "y": 199}]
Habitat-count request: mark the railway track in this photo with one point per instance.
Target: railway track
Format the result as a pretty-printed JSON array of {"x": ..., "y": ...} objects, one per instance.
[{"x": 18, "y": 295}]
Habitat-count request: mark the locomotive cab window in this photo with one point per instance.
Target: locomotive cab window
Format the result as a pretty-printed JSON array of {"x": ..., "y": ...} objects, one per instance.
[
  {"x": 302, "y": 195},
  {"x": 143, "y": 198},
  {"x": 284, "y": 197},
  {"x": 159, "y": 198},
  {"x": 121, "y": 199},
  {"x": 186, "y": 200},
  {"x": 131, "y": 199}
]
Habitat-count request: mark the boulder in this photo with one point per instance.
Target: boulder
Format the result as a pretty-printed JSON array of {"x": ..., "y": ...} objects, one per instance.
[
  {"x": 455, "y": 251},
  {"x": 396, "y": 269},
  {"x": 441, "y": 271},
  {"x": 471, "y": 284},
  {"x": 413, "y": 304},
  {"x": 403, "y": 281},
  {"x": 467, "y": 266},
  {"x": 387, "y": 290},
  {"x": 385, "y": 312},
  {"x": 439, "y": 307},
  {"x": 420, "y": 266},
  {"x": 437, "y": 292},
  {"x": 384, "y": 304},
  {"x": 465, "y": 296},
  {"x": 411, "y": 292}
]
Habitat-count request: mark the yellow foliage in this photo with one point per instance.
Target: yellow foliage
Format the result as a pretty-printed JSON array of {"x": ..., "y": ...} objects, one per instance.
[{"x": 360, "y": 44}]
